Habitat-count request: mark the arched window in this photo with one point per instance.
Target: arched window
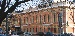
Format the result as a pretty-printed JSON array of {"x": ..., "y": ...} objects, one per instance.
[
  {"x": 48, "y": 18},
  {"x": 54, "y": 17},
  {"x": 36, "y": 29},
  {"x": 27, "y": 29},
  {"x": 44, "y": 18},
  {"x": 40, "y": 29},
  {"x": 26, "y": 20},
  {"x": 44, "y": 29},
  {"x": 54, "y": 30},
  {"x": 32, "y": 19},
  {"x": 33, "y": 29},
  {"x": 36, "y": 19},
  {"x": 40, "y": 19},
  {"x": 30, "y": 29}
]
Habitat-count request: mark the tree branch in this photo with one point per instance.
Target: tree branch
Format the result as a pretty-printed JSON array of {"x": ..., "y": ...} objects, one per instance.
[
  {"x": 24, "y": 1},
  {"x": 8, "y": 3},
  {"x": 3, "y": 6},
  {"x": 17, "y": 0},
  {"x": 10, "y": 10}
]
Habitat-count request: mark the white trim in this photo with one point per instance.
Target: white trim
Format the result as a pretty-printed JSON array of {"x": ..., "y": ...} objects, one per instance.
[
  {"x": 46, "y": 24},
  {"x": 17, "y": 26},
  {"x": 71, "y": 25},
  {"x": 25, "y": 25},
  {"x": 74, "y": 15}
]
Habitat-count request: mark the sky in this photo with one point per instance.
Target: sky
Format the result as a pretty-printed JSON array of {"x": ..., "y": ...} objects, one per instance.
[
  {"x": 26, "y": 5},
  {"x": 34, "y": 3}
]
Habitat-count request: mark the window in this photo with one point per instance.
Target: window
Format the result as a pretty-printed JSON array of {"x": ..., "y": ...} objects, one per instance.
[
  {"x": 20, "y": 20},
  {"x": 36, "y": 19},
  {"x": 58, "y": 30},
  {"x": 32, "y": 20},
  {"x": 54, "y": 30},
  {"x": 44, "y": 29},
  {"x": 33, "y": 29},
  {"x": 40, "y": 29},
  {"x": 51, "y": 29},
  {"x": 27, "y": 29},
  {"x": 30, "y": 29},
  {"x": 16, "y": 21},
  {"x": 36, "y": 29},
  {"x": 48, "y": 18},
  {"x": 54, "y": 17},
  {"x": 26, "y": 20},
  {"x": 40, "y": 18},
  {"x": 44, "y": 18}
]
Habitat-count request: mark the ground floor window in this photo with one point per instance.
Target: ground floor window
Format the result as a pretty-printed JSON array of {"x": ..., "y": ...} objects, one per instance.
[{"x": 55, "y": 30}]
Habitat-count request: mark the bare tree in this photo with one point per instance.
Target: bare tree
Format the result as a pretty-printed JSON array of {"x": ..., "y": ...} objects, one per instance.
[{"x": 5, "y": 5}]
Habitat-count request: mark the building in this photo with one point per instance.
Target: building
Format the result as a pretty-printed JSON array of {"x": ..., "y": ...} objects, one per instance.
[
  {"x": 37, "y": 21},
  {"x": 56, "y": 16}
]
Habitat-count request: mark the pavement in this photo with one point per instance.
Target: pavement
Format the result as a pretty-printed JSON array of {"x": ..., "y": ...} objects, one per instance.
[{"x": 31, "y": 35}]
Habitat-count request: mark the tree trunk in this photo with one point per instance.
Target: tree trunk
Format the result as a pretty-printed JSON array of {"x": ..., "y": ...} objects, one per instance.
[{"x": 2, "y": 17}]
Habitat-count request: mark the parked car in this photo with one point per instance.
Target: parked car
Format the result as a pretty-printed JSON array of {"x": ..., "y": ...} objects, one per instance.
[
  {"x": 40, "y": 34},
  {"x": 27, "y": 33},
  {"x": 17, "y": 32},
  {"x": 49, "y": 34},
  {"x": 2, "y": 35}
]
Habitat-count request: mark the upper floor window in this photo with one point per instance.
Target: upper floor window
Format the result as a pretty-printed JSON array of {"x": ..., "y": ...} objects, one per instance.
[
  {"x": 16, "y": 21},
  {"x": 32, "y": 19},
  {"x": 44, "y": 18},
  {"x": 40, "y": 19},
  {"x": 36, "y": 19},
  {"x": 54, "y": 17},
  {"x": 48, "y": 18},
  {"x": 44, "y": 29},
  {"x": 20, "y": 20},
  {"x": 26, "y": 20}
]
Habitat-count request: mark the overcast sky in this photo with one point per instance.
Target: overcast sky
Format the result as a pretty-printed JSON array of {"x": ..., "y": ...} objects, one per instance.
[
  {"x": 33, "y": 4},
  {"x": 26, "y": 5}
]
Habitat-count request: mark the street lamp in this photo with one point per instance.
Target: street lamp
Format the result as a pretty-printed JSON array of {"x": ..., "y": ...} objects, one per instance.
[{"x": 7, "y": 25}]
